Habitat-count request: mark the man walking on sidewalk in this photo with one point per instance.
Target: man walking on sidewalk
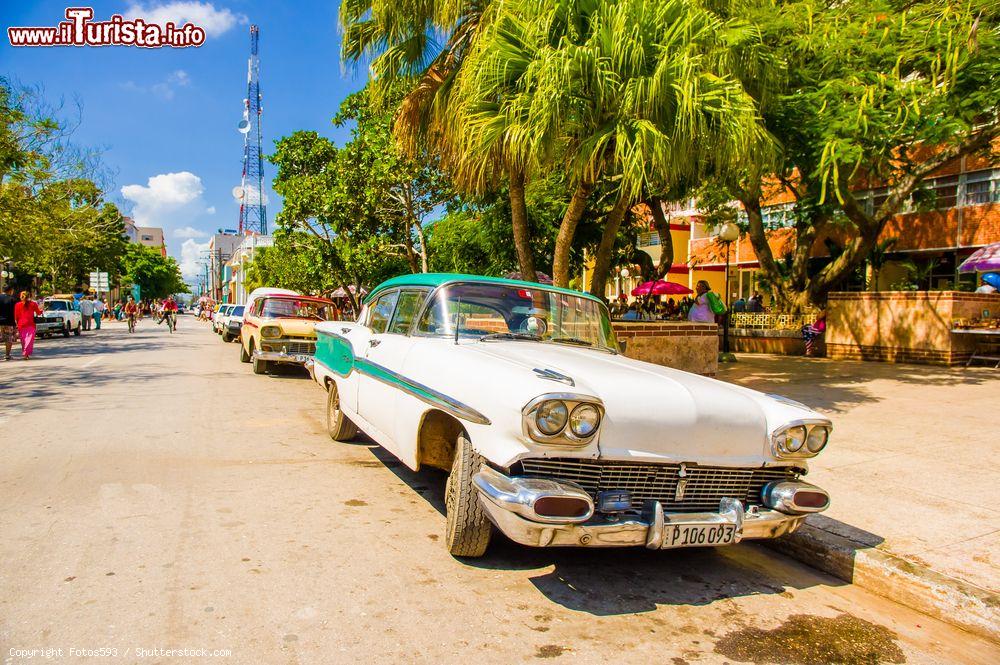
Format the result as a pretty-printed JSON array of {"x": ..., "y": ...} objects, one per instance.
[
  {"x": 8, "y": 326},
  {"x": 86, "y": 312}
]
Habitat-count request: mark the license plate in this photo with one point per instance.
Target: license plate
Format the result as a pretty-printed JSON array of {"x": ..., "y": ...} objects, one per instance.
[{"x": 698, "y": 535}]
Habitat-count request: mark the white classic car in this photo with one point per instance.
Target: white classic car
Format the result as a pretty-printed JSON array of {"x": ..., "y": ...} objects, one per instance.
[
  {"x": 520, "y": 391},
  {"x": 59, "y": 315}
]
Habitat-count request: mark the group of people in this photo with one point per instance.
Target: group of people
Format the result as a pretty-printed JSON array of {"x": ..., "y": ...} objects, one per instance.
[
  {"x": 17, "y": 316},
  {"x": 17, "y": 322},
  {"x": 705, "y": 307},
  {"x": 753, "y": 304}
]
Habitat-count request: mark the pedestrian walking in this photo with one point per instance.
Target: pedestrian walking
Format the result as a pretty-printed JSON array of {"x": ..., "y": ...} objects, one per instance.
[
  {"x": 8, "y": 324},
  {"x": 24, "y": 315},
  {"x": 99, "y": 308},
  {"x": 86, "y": 312}
]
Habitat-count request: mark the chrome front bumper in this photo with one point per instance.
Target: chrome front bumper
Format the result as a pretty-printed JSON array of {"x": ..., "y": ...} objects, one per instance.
[
  {"x": 282, "y": 357},
  {"x": 504, "y": 499}
]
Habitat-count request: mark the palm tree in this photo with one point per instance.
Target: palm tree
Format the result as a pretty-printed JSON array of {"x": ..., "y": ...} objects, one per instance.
[
  {"x": 636, "y": 91},
  {"x": 424, "y": 44}
]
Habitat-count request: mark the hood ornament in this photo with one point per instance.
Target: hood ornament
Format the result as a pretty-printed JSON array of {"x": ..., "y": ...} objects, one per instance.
[
  {"x": 682, "y": 482},
  {"x": 552, "y": 375}
]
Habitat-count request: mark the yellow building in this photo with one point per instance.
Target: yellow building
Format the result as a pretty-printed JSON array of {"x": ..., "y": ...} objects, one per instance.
[{"x": 687, "y": 230}]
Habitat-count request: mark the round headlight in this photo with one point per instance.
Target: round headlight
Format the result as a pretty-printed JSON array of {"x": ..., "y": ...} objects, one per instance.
[
  {"x": 270, "y": 331},
  {"x": 584, "y": 420},
  {"x": 818, "y": 436},
  {"x": 551, "y": 417},
  {"x": 794, "y": 438}
]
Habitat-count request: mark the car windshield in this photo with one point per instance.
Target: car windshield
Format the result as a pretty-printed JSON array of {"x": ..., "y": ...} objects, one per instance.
[
  {"x": 294, "y": 308},
  {"x": 56, "y": 305},
  {"x": 500, "y": 311},
  {"x": 237, "y": 311}
]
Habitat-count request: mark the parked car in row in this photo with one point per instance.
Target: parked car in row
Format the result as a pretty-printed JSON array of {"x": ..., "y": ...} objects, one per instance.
[
  {"x": 548, "y": 432},
  {"x": 279, "y": 327},
  {"x": 218, "y": 318},
  {"x": 231, "y": 323}
]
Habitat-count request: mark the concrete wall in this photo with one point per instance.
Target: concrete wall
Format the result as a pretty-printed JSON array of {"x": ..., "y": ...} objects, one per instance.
[
  {"x": 692, "y": 347},
  {"x": 903, "y": 326}
]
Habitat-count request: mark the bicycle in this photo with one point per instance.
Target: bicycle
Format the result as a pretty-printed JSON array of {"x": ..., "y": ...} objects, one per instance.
[
  {"x": 131, "y": 323},
  {"x": 171, "y": 318}
]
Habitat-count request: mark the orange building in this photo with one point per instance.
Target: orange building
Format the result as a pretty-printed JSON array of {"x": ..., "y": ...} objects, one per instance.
[{"x": 962, "y": 215}]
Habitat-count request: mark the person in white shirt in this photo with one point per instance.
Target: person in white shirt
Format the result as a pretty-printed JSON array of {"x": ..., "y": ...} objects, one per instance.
[
  {"x": 99, "y": 308},
  {"x": 86, "y": 312},
  {"x": 986, "y": 288}
]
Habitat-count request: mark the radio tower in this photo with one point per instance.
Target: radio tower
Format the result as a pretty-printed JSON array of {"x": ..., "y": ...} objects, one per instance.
[{"x": 253, "y": 212}]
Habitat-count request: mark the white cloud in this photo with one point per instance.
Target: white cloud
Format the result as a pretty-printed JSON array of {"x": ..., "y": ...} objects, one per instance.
[
  {"x": 162, "y": 196},
  {"x": 190, "y": 232},
  {"x": 202, "y": 14},
  {"x": 191, "y": 253},
  {"x": 210, "y": 210},
  {"x": 165, "y": 89}
]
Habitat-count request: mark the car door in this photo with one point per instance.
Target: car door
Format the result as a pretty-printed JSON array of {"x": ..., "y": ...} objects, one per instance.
[{"x": 378, "y": 391}]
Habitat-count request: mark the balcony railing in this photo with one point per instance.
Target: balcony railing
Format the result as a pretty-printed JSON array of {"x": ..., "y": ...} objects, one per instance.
[{"x": 770, "y": 321}]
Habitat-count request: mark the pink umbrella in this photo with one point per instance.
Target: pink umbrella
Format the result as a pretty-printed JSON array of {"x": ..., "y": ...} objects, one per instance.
[{"x": 659, "y": 288}]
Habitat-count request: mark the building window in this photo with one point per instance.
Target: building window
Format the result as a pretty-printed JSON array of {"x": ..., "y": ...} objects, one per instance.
[
  {"x": 982, "y": 187},
  {"x": 649, "y": 239},
  {"x": 945, "y": 191},
  {"x": 147, "y": 238},
  {"x": 778, "y": 216}
]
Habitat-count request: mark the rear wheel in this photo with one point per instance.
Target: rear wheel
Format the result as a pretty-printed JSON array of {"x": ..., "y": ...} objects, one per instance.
[
  {"x": 77, "y": 331},
  {"x": 338, "y": 425},
  {"x": 244, "y": 356},
  {"x": 468, "y": 531}
]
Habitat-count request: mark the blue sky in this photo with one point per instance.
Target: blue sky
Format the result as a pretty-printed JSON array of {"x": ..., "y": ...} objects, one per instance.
[{"x": 170, "y": 115}]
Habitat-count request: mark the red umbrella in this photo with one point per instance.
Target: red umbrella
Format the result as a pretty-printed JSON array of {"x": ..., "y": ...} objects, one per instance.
[{"x": 659, "y": 288}]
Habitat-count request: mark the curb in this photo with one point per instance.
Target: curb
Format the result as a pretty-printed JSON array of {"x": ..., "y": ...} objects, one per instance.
[{"x": 855, "y": 561}]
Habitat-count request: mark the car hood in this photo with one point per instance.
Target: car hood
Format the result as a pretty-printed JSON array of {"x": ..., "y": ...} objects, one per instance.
[{"x": 656, "y": 413}]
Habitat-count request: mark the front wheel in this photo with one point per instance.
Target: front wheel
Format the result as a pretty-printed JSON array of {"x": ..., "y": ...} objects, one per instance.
[
  {"x": 77, "y": 331},
  {"x": 244, "y": 355},
  {"x": 259, "y": 365},
  {"x": 468, "y": 531},
  {"x": 66, "y": 331},
  {"x": 226, "y": 337},
  {"x": 338, "y": 425}
]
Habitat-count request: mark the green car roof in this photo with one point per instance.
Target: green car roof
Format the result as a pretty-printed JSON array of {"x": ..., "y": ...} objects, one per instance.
[{"x": 435, "y": 279}]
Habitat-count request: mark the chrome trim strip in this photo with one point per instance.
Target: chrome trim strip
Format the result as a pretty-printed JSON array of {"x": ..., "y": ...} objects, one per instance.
[{"x": 424, "y": 393}]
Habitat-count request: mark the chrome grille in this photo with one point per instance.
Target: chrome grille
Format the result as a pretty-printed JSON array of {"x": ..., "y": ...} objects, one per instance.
[
  {"x": 294, "y": 346},
  {"x": 706, "y": 485}
]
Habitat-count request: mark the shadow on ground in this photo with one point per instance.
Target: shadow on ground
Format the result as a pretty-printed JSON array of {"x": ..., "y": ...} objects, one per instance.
[
  {"x": 838, "y": 385},
  {"x": 606, "y": 582}
]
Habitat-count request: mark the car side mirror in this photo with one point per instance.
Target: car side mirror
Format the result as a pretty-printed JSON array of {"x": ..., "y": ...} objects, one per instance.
[{"x": 622, "y": 345}]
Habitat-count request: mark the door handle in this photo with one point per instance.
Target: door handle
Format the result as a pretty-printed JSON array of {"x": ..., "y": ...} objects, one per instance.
[
  {"x": 374, "y": 342},
  {"x": 345, "y": 330}
]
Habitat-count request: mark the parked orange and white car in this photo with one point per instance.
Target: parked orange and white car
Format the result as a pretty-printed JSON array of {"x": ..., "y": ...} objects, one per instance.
[{"x": 279, "y": 327}]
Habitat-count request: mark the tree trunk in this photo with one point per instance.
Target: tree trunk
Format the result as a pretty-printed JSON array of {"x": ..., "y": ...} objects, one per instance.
[
  {"x": 423, "y": 246},
  {"x": 567, "y": 228},
  {"x": 605, "y": 251},
  {"x": 519, "y": 220},
  {"x": 662, "y": 225},
  {"x": 411, "y": 256}
]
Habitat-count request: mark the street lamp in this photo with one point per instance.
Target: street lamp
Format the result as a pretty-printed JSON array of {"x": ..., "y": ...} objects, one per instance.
[{"x": 728, "y": 233}]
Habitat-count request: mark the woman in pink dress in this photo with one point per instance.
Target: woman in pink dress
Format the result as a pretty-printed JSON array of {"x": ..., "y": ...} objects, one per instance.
[{"x": 24, "y": 315}]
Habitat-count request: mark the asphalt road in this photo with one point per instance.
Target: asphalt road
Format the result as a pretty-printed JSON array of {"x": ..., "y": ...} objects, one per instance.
[{"x": 155, "y": 494}]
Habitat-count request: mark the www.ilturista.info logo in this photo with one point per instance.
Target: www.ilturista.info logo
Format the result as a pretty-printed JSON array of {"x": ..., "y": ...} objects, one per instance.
[{"x": 79, "y": 30}]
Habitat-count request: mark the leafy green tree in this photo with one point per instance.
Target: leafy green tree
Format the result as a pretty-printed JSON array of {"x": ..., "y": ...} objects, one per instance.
[
  {"x": 873, "y": 93},
  {"x": 157, "y": 276},
  {"x": 630, "y": 92}
]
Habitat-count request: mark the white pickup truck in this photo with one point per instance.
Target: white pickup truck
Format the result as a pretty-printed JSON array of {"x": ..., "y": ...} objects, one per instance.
[{"x": 59, "y": 316}]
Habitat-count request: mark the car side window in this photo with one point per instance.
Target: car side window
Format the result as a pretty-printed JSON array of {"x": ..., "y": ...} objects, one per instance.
[
  {"x": 406, "y": 309},
  {"x": 381, "y": 312}
]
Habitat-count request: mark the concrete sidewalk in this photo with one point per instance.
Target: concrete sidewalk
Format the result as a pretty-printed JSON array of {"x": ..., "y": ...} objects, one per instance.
[{"x": 912, "y": 469}]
